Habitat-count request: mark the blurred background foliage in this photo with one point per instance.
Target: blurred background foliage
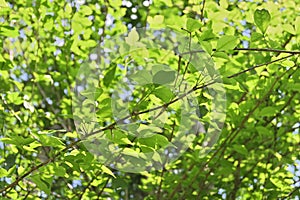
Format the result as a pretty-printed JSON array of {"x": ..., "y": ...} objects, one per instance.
[{"x": 43, "y": 44}]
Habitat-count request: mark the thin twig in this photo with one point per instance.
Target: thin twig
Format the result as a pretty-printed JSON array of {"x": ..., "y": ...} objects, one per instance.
[
  {"x": 202, "y": 11},
  {"x": 259, "y": 65},
  {"x": 89, "y": 184},
  {"x": 160, "y": 183},
  {"x": 104, "y": 186},
  {"x": 34, "y": 168},
  {"x": 229, "y": 139},
  {"x": 111, "y": 126},
  {"x": 250, "y": 49}
]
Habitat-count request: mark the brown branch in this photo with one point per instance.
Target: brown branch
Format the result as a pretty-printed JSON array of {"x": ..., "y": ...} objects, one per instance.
[
  {"x": 111, "y": 126},
  {"x": 286, "y": 42},
  {"x": 104, "y": 186},
  {"x": 268, "y": 50},
  {"x": 229, "y": 139},
  {"x": 237, "y": 181},
  {"x": 89, "y": 184},
  {"x": 25, "y": 175},
  {"x": 259, "y": 65},
  {"x": 160, "y": 183},
  {"x": 42, "y": 92},
  {"x": 202, "y": 11},
  {"x": 250, "y": 49},
  {"x": 34, "y": 168}
]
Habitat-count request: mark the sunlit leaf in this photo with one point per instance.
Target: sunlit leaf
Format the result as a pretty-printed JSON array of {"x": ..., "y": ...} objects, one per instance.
[
  {"x": 227, "y": 42},
  {"x": 192, "y": 24},
  {"x": 132, "y": 37}
]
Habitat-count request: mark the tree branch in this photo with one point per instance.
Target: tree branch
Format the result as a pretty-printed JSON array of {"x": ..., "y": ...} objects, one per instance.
[
  {"x": 88, "y": 185},
  {"x": 259, "y": 65},
  {"x": 34, "y": 168},
  {"x": 202, "y": 11},
  {"x": 111, "y": 126},
  {"x": 229, "y": 139},
  {"x": 250, "y": 49}
]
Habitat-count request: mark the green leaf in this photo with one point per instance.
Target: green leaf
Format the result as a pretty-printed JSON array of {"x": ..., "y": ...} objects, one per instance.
[
  {"x": 256, "y": 36},
  {"x": 227, "y": 42},
  {"x": 240, "y": 149},
  {"x": 164, "y": 77},
  {"x": 109, "y": 76},
  {"x": 3, "y": 4},
  {"x": 206, "y": 46},
  {"x": 262, "y": 19},
  {"x": 92, "y": 94},
  {"x": 156, "y": 21},
  {"x": 206, "y": 35},
  {"x": 294, "y": 87},
  {"x": 192, "y": 24},
  {"x": 163, "y": 93},
  {"x": 155, "y": 141},
  {"x": 156, "y": 157},
  {"x": 289, "y": 28},
  {"x": 49, "y": 140},
  {"x": 263, "y": 131},
  {"x": 14, "y": 98},
  {"x": 3, "y": 172},
  {"x": 132, "y": 38},
  {"x": 17, "y": 140},
  {"x": 142, "y": 77},
  {"x": 107, "y": 171},
  {"x": 43, "y": 185},
  {"x": 59, "y": 171},
  {"x": 268, "y": 111},
  {"x": 297, "y": 25},
  {"x": 130, "y": 152},
  {"x": 221, "y": 55},
  {"x": 287, "y": 63},
  {"x": 75, "y": 48},
  {"x": 105, "y": 109},
  {"x": 2, "y": 59},
  {"x": 160, "y": 140},
  {"x": 86, "y": 10},
  {"x": 9, "y": 31}
]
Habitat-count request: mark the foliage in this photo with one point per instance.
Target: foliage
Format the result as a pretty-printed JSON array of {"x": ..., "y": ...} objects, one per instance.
[{"x": 254, "y": 46}]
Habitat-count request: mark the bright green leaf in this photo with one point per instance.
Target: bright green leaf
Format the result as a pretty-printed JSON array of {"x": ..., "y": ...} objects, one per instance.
[
  {"x": 156, "y": 21},
  {"x": 3, "y": 4},
  {"x": 107, "y": 171},
  {"x": 256, "y": 37},
  {"x": 289, "y": 28},
  {"x": 9, "y": 31},
  {"x": 132, "y": 38},
  {"x": 3, "y": 172},
  {"x": 193, "y": 24},
  {"x": 48, "y": 140},
  {"x": 163, "y": 93},
  {"x": 92, "y": 93},
  {"x": 262, "y": 19},
  {"x": 227, "y": 42}
]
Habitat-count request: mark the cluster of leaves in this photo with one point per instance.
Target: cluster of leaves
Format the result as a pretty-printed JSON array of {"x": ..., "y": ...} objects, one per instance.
[{"x": 254, "y": 47}]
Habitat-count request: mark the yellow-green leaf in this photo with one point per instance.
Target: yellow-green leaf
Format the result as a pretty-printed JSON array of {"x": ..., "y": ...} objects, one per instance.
[{"x": 227, "y": 42}]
